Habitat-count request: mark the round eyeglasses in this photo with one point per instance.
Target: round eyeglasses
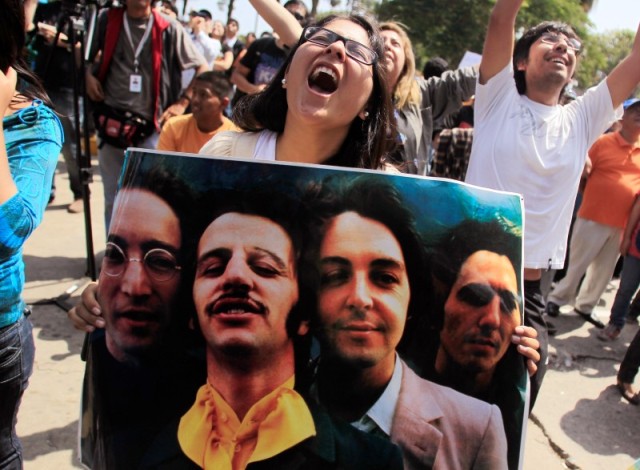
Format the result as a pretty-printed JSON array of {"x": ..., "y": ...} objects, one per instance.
[
  {"x": 555, "y": 38},
  {"x": 325, "y": 37},
  {"x": 160, "y": 264}
]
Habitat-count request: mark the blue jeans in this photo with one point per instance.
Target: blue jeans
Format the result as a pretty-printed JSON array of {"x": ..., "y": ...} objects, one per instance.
[
  {"x": 16, "y": 364},
  {"x": 629, "y": 281}
]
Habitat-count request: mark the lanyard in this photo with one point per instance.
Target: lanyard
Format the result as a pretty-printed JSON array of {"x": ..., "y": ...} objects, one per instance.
[{"x": 138, "y": 50}]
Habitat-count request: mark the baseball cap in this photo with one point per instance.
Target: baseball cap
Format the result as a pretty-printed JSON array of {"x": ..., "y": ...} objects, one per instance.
[
  {"x": 206, "y": 14},
  {"x": 630, "y": 102}
]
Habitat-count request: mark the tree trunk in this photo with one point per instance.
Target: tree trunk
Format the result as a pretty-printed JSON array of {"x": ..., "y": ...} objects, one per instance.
[{"x": 230, "y": 10}]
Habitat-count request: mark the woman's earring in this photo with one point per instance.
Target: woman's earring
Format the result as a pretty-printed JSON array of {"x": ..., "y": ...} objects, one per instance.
[
  {"x": 366, "y": 114},
  {"x": 284, "y": 83}
]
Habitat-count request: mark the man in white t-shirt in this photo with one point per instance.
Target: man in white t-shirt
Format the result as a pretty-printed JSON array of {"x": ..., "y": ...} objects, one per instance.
[{"x": 526, "y": 142}]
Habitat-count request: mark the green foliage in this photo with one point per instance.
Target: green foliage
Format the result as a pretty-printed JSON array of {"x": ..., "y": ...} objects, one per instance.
[
  {"x": 568, "y": 11},
  {"x": 602, "y": 52},
  {"x": 445, "y": 28}
]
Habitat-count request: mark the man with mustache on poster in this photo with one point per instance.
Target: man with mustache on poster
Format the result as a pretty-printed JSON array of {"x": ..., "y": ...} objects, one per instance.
[{"x": 246, "y": 298}]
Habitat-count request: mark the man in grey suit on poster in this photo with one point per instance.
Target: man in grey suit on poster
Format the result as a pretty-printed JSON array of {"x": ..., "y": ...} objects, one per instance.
[{"x": 367, "y": 260}]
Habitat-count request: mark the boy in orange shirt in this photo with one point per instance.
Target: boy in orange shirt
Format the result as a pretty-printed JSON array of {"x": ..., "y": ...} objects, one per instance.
[{"x": 189, "y": 132}]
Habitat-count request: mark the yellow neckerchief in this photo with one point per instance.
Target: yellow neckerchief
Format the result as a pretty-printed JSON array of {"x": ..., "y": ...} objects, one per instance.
[{"x": 213, "y": 437}]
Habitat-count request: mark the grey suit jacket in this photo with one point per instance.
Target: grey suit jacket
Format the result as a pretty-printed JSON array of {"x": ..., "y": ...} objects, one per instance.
[{"x": 437, "y": 427}]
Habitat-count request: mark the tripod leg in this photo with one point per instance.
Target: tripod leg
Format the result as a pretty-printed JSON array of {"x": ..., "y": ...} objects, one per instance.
[{"x": 83, "y": 156}]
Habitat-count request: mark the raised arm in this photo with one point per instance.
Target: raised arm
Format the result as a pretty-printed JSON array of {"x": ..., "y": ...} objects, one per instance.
[
  {"x": 240, "y": 79},
  {"x": 626, "y": 75},
  {"x": 225, "y": 62},
  {"x": 30, "y": 7},
  {"x": 498, "y": 44},
  {"x": 282, "y": 22}
]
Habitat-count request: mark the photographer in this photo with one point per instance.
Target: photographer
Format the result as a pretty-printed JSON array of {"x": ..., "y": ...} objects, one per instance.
[
  {"x": 136, "y": 83},
  {"x": 53, "y": 65}
]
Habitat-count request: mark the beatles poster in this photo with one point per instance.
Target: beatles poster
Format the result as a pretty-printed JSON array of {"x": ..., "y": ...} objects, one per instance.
[{"x": 226, "y": 281}]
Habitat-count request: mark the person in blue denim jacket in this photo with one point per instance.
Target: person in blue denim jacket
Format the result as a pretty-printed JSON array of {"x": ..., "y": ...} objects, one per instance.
[{"x": 30, "y": 143}]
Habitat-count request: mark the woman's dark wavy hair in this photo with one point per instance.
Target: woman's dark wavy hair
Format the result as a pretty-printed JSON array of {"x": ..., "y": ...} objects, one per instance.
[
  {"x": 12, "y": 39},
  {"x": 374, "y": 198},
  {"x": 523, "y": 45},
  {"x": 367, "y": 142}
]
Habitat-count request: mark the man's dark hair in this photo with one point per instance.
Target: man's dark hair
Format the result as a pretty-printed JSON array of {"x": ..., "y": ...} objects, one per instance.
[
  {"x": 219, "y": 83},
  {"x": 206, "y": 14},
  {"x": 367, "y": 141},
  {"x": 374, "y": 198},
  {"x": 171, "y": 6},
  {"x": 273, "y": 204},
  {"x": 465, "y": 239},
  {"x": 435, "y": 67},
  {"x": 523, "y": 45},
  {"x": 170, "y": 188},
  {"x": 299, "y": 3},
  {"x": 233, "y": 20}
]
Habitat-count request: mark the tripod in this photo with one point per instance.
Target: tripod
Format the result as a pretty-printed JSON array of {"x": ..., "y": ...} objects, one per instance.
[{"x": 73, "y": 21}]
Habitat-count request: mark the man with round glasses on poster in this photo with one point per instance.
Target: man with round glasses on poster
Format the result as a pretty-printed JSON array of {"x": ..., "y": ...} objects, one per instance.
[
  {"x": 140, "y": 274},
  {"x": 135, "y": 362}
]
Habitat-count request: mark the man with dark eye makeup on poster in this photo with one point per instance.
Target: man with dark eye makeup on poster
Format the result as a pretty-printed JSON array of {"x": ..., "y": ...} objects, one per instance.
[
  {"x": 478, "y": 330},
  {"x": 480, "y": 315}
]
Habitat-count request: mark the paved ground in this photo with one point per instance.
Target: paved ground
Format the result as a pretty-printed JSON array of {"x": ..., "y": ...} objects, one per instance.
[{"x": 580, "y": 420}]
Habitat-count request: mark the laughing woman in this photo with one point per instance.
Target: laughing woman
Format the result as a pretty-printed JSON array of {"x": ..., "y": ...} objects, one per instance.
[
  {"x": 418, "y": 102},
  {"x": 330, "y": 98},
  {"x": 30, "y": 141}
]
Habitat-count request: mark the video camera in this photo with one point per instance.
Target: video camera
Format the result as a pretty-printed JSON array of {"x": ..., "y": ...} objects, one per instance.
[{"x": 78, "y": 7}]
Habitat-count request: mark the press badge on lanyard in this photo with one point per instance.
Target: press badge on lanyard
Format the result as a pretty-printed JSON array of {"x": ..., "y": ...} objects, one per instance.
[
  {"x": 135, "y": 83},
  {"x": 135, "y": 79}
]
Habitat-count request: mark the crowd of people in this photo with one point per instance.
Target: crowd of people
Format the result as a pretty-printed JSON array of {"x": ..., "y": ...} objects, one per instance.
[{"x": 347, "y": 91}]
